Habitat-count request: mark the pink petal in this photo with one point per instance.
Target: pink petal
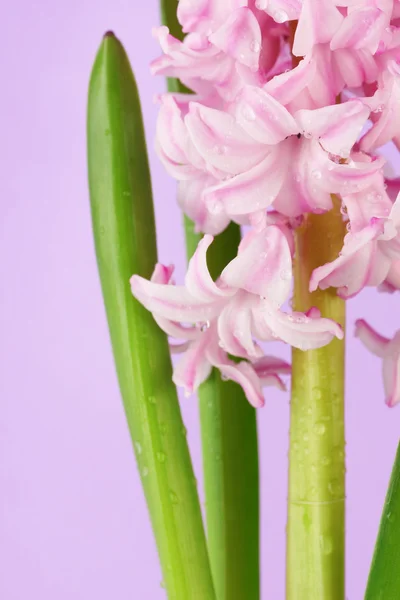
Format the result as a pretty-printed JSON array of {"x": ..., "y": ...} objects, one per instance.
[
  {"x": 172, "y": 302},
  {"x": 319, "y": 21},
  {"x": 234, "y": 328},
  {"x": 263, "y": 267},
  {"x": 221, "y": 141},
  {"x": 373, "y": 341},
  {"x": 263, "y": 117},
  {"x": 194, "y": 366},
  {"x": 190, "y": 200},
  {"x": 298, "y": 330},
  {"x": 288, "y": 85},
  {"x": 240, "y": 37},
  {"x": 337, "y": 127},
  {"x": 362, "y": 28},
  {"x": 250, "y": 191},
  {"x": 281, "y": 10},
  {"x": 351, "y": 271},
  {"x": 244, "y": 374},
  {"x": 198, "y": 281},
  {"x": 271, "y": 365},
  {"x": 387, "y": 126}
]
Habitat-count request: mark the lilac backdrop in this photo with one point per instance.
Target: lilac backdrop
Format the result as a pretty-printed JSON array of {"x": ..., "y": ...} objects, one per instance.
[{"x": 73, "y": 523}]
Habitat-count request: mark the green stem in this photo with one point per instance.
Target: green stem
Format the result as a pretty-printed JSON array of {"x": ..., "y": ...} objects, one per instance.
[
  {"x": 125, "y": 241},
  {"x": 384, "y": 576},
  {"x": 316, "y": 498},
  {"x": 230, "y": 464}
]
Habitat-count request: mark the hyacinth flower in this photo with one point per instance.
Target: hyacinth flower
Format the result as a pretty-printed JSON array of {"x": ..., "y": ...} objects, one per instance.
[
  {"x": 273, "y": 130},
  {"x": 227, "y": 315}
]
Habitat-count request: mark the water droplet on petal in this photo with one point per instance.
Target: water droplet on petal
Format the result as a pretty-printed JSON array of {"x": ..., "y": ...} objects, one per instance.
[
  {"x": 317, "y": 174},
  {"x": 255, "y": 46},
  {"x": 280, "y": 16},
  {"x": 248, "y": 113},
  {"x": 215, "y": 207},
  {"x": 203, "y": 326},
  {"x": 224, "y": 377},
  {"x": 286, "y": 274}
]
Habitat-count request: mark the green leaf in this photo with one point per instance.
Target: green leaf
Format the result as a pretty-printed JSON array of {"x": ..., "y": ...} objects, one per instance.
[
  {"x": 125, "y": 242},
  {"x": 384, "y": 576}
]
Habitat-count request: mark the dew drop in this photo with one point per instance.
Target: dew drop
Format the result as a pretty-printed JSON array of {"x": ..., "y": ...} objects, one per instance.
[
  {"x": 161, "y": 457},
  {"x": 145, "y": 471},
  {"x": 248, "y": 113},
  {"x": 203, "y": 326},
  {"x": 173, "y": 497},
  {"x": 280, "y": 16},
  {"x": 317, "y": 174},
  {"x": 319, "y": 428},
  {"x": 220, "y": 149},
  {"x": 255, "y": 46},
  {"x": 152, "y": 400},
  {"x": 138, "y": 447},
  {"x": 215, "y": 207},
  {"x": 325, "y": 461},
  {"x": 390, "y": 517},
  {"x": 317, "y": 393},
  {"x": 224, "y": 377},
  {"x": 286, "y": 274},
  {"x": 326, "y": 544}
]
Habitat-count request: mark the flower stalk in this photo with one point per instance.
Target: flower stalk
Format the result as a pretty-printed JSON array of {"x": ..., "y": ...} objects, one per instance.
[{"x": 316, "y": 498}]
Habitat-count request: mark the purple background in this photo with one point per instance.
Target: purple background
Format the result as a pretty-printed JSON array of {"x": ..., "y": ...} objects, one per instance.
[{"x": 73, "y": 523}]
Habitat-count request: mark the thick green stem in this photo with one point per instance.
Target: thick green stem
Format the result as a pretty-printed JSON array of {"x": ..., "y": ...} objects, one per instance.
[
  {"x": 230, "y": 464},
  {"x": 125, "y": 242},
  {"x": 316, "y": 498}
]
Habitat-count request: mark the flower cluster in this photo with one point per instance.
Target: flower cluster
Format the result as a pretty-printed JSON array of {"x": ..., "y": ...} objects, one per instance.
[{"x": 291, "y": 101}]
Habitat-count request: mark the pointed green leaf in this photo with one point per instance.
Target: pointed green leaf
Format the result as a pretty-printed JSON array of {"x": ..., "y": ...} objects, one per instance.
[
  {"x": 384, "y": 576},
  {"x": 125, "y": 242}
]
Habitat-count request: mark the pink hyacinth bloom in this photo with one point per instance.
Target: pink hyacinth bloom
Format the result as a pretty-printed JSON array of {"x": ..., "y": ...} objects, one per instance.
[
  {"x": 269, "y": 157},
  {"x": 370, "y": 248},
  {"x": 225, "y": 49},
  {"x": 385, "y": 106},
  {"x": 245, "y": 303},
  {"x": 389, "y": 351}
]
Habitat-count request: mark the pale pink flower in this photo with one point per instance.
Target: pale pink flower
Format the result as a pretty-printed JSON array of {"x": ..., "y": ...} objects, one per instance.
[
  {"x": 217, "y": 318},
  {"x": 270, "y": 157},
  {"x": 385, "y": 106},
  {"x": 226, "y": 48},
  {"x": 389, "y": 351},
  {"x": 371, "y": 247},
  {"x": 365, "y": 26}
]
